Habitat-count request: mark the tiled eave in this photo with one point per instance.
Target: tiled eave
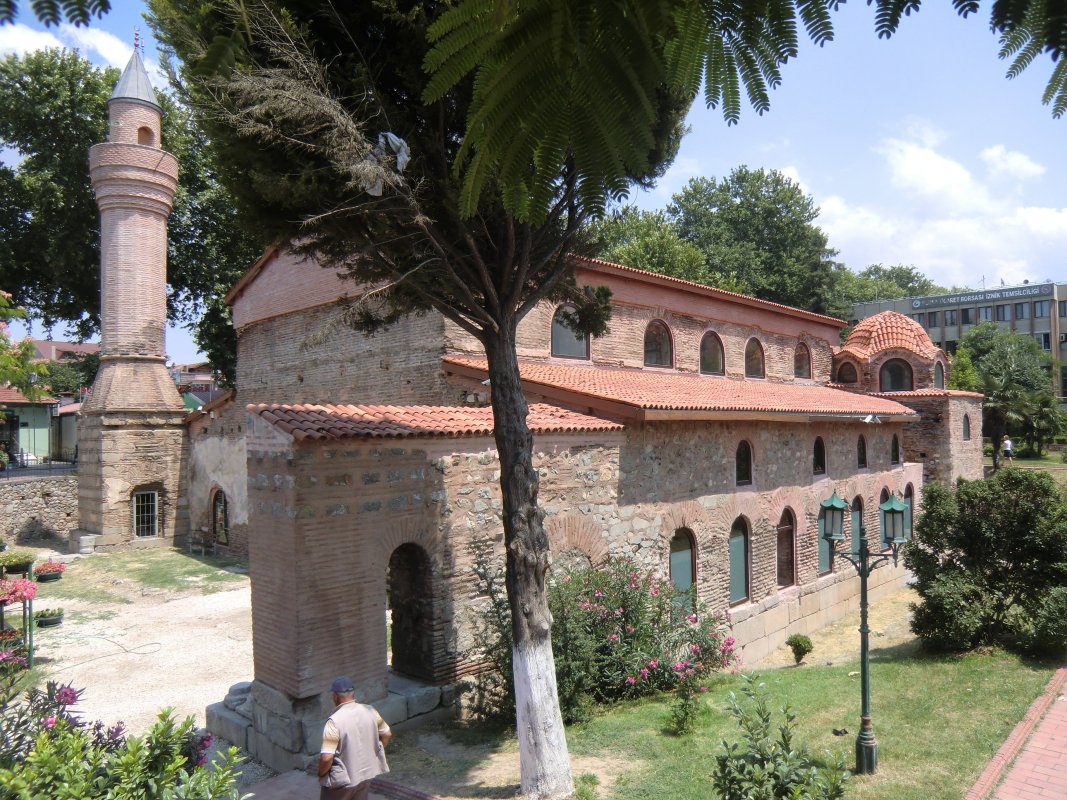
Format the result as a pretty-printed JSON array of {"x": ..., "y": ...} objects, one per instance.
[
  {"x": 661, "y": 396},
  {"x": 315, "y": 422}
]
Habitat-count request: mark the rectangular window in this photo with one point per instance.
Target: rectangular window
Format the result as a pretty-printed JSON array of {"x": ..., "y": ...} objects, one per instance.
[
  {"x": 1063, "y": 381},
  {"x": 146, "y": 513},
  {"x": 950, "y": 317},
  {"x": 967, "y": 315},
  {"x": 1063, "y": 308},
  {"x": 918, "y": 318},
  {"x": 931, "y": 319},
  {"x": 826, "y": 558},
  {"x": 1022, "y": 311},
  {"x": 950, "y": 347},
  {"x": 1043, "y": 340},
  {"x": 985, "y": 313},
  {"x": 1041, "y": 308},
  {"x": 1003, "y": 313}
]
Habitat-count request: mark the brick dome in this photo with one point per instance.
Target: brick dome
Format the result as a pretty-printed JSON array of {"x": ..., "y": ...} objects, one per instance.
[{"x": 889, "y": 330}]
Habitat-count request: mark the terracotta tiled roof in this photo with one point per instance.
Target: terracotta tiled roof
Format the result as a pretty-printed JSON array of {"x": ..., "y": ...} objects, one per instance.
[
  {"x": 640, "y": 394},
  {"x": 929, "y": 393},
  {"x": 9, "y": 394},
  {"x": 597, "y": 263},
  {"x": 341, "y": 422},
  {"x": 888, "y": 331}
]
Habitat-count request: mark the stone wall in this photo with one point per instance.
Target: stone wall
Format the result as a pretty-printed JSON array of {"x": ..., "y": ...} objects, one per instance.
[
  {"x": 218, "y": 462},
  {"x": 936, "y": 438},
  {"x": 38, "y": 506}
]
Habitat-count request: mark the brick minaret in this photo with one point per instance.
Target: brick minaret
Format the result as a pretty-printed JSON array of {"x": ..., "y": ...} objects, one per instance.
[{"x": 131, "y": 434}]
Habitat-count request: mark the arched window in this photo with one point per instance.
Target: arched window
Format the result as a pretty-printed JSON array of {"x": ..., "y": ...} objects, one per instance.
[
  {"x": 801, "y": 362},
  {"x": 861, "y": 452},
  {"x": 895, "y": 376},
  {"x": 787, "y": 572},
  {"x": 220, "y": 518},
  {"x": 894, "y": 450},
  {"x": 754, "y": 359},
  {"x": 565, "y": 342},
  {"x": 744, "y": 464},
  {"x": 882, "y": 498},
  {"x": 146, "y": 136},
  {"x": 909, "y": 501},
  {"x": 683, "y": 560},
  {"x": 966, "y": 428},
  {"x": 818, "y": 457},
  {"x": 739, "y": 561},
  {"x": 857, "y": 523},
  {"x": 826, "y": 558},
  {"x": 939, "y": 376},
  {"x": 846, "y": 373},
  {"x": 712, "y": 361},
  {"x": 658, "y": 350}
]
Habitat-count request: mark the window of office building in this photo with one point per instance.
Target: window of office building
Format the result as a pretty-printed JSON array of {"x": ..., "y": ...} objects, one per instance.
[
  {"x": 1003, "y": 313},
  {"x": 1041, "y": 308},
  {"x": 950, "y": 347},
  {"x": 1022, "y": 311},
  {"x": 1063, "y": 308},
  {"x": 950, "y": 316},
  {"x": 1063, "y": 381},
  {"x": 920, "y": 318},
  {"x": 985, "y": 313},
  {"x": 1043, "y": 341},
  {"x": 967, "y": 316},
  {"x": 931, "y": 319}
]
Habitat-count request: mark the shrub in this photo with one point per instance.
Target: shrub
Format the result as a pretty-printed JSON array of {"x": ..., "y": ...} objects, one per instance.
[
  {"x": 1048, "y": 632},
  {"x": 986, "y": 559},
  {"x": 766, "y": 763},
  {"x": 800, "y": 645},
  {"x": 617, "y": 632}
]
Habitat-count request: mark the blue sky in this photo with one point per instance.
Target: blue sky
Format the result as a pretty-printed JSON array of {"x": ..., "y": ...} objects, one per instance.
[{"x": 917, "y": 149}]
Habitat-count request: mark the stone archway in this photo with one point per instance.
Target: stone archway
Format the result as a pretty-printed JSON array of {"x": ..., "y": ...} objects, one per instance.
[{"x": 411, "y": 610}]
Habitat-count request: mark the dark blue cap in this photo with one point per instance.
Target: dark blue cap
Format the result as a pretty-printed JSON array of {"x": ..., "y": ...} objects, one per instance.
[{"x": 342, "y": 685}]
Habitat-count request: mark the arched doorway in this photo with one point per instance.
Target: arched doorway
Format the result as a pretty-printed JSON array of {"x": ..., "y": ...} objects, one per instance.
[{"x": 410, "y": 607}]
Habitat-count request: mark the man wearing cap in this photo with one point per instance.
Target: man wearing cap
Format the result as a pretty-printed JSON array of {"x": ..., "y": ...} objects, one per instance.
[{"x": 353, "y": 746}]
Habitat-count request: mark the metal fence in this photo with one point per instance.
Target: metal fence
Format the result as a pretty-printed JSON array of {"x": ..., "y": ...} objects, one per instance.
[{"x": 27, "y": 465}]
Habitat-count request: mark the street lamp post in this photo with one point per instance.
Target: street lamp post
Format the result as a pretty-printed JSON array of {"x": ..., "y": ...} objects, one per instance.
[{"x": 833, "y": 532}]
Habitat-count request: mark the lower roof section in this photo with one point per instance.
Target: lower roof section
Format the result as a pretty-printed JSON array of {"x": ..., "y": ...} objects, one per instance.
[
  {"x": 324, "y": 422},
  {"x": 655, "y": 395}
]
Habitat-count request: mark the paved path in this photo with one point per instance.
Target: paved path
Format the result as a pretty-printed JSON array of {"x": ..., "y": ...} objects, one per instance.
[{"x": 1033, "y": 759}]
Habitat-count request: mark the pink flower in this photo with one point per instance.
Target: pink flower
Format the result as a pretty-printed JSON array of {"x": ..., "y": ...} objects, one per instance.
[
  {"x": 728, "y": 643},
  {"x": 694, "y": 649},
  {"x": 644, "y": 673},
  {"x": 692, "y": 618},
  {"x": 613, "y": 638},
  {"x": 653, "y": 663},
  {"x": 631, "y": 680},
  {"x": 49, "y": 722},
  {"x": 702, "y": 689},
  {"x": 66, "y": 696},
  {"x": 629, "y": 628},
  {"x": 598, "y": 593}
]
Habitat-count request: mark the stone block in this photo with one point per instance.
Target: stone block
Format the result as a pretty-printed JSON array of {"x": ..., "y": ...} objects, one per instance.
[
  {"x": 231, "y": 726},
  {"x": 313, "y": 734},
  {"x": 809, "y": 604},
  {"x": 423, "y": 701},
  {"x": 271, "y": 699},
  {"x": 283, "y": 730},
  {"x": 238, "y": 695},
  {"x": 776, "y": 619},
  {"x": 393, "y": 708},
  {"x": 277, "y": 758}
]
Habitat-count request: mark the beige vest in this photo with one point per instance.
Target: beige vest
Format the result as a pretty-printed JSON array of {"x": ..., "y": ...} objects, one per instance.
[{"x": 360, "y": 755}]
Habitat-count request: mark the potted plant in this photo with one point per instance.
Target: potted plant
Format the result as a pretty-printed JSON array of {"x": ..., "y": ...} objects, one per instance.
[
  {"x": 16, "y": 561},
  {"x": 49, "y": 571},
  {"x": 10, "y": 638},
  {"x": 48, "y": 617},
  {"x": 16, "y": 590}
]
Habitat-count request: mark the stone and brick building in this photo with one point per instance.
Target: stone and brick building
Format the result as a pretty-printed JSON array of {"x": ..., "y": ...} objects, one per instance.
[{"x": 698, "y": 438}]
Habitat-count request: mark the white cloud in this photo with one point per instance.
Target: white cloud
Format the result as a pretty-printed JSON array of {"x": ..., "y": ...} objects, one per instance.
[
  {"x": 943, "y": 184},
  {"x": 793, "y": 174},
  {"x": 107, "y": 47},
  {"x": 19, "y": 39},
  {"x": 1000, "y": 161}
]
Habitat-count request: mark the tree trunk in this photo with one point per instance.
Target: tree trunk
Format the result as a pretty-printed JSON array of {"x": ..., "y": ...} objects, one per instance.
[{"x": 543, "y": 760}]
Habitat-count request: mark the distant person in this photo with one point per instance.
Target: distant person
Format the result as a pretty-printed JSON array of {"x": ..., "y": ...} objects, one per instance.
[
  {"x": 353, "y": 746},
  {"x": 1009, "y": 450}
]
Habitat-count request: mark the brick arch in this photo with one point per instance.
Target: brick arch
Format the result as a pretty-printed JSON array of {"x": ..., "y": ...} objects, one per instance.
[
  {"x": 744, "y": 504},
  {"x": 687, "y": 514},
  {"x": 578, "y": 532},
  {"x": 409, "y": 531}
]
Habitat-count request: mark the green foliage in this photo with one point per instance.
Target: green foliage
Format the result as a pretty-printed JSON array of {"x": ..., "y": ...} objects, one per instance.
[
  {"x": 64, "y": 377},
  {"x": 648, "y": 240},
  {"x": 16, "y": 359},
  {"x": 986, "y": 558},
  {"x": 963, "y": 374},
  {"x": 1047, "y": 635},
  {"x": 800, "y": 645},
  {"x": 616, "y": 633},
  {"x": 755, "y": 230},
  {"x": 766, "y": 764},
  {"x": 52, "y": 12},
  {"x": 879, "y": 282},
  {"x": 9, "y": 557},
  {"x": 53, "y": 107}
]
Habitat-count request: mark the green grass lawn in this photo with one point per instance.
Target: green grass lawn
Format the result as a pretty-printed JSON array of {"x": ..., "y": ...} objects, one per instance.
[
  {"x": 114, "y": 577},
  {"x": 938, "y": 721}
]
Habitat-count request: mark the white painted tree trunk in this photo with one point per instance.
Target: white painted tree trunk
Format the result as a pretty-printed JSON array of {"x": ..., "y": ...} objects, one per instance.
[{"x": 545, "y": 768}]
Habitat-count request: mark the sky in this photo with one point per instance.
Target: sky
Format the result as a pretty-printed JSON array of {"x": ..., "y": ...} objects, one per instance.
[{"x": 917, "y": 149}]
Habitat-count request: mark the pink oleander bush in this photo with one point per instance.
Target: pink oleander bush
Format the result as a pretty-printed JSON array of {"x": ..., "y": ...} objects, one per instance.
[{"x": 618, "y": 632}]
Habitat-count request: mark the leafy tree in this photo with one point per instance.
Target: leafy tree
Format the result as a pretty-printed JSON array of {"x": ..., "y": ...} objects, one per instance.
[
  {"x": 53, "y": 107},
  {"x": 986, "y": 557},
  {"x": 1012, "y": 371},
  {"x": 878, "y": 282},
  {"x": 52, "y": 12},
  {"x": 16, "y": 360},
  {"x": 65, "y": 377},
  {"x": 964, "y": 376},
  {"x": 648, "y": 240},
  {"x": 756, "y": 226}
]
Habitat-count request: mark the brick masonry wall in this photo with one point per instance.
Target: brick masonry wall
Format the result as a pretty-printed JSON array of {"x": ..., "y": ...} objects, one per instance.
[
  {"x": 218, "y": 461},
  {"x": 936, "y": 438},
  {"x": 34, "y": 507}
]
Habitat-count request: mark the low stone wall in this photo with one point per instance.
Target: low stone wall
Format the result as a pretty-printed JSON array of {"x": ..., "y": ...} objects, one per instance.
[{"x": 38, "y": 506}]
